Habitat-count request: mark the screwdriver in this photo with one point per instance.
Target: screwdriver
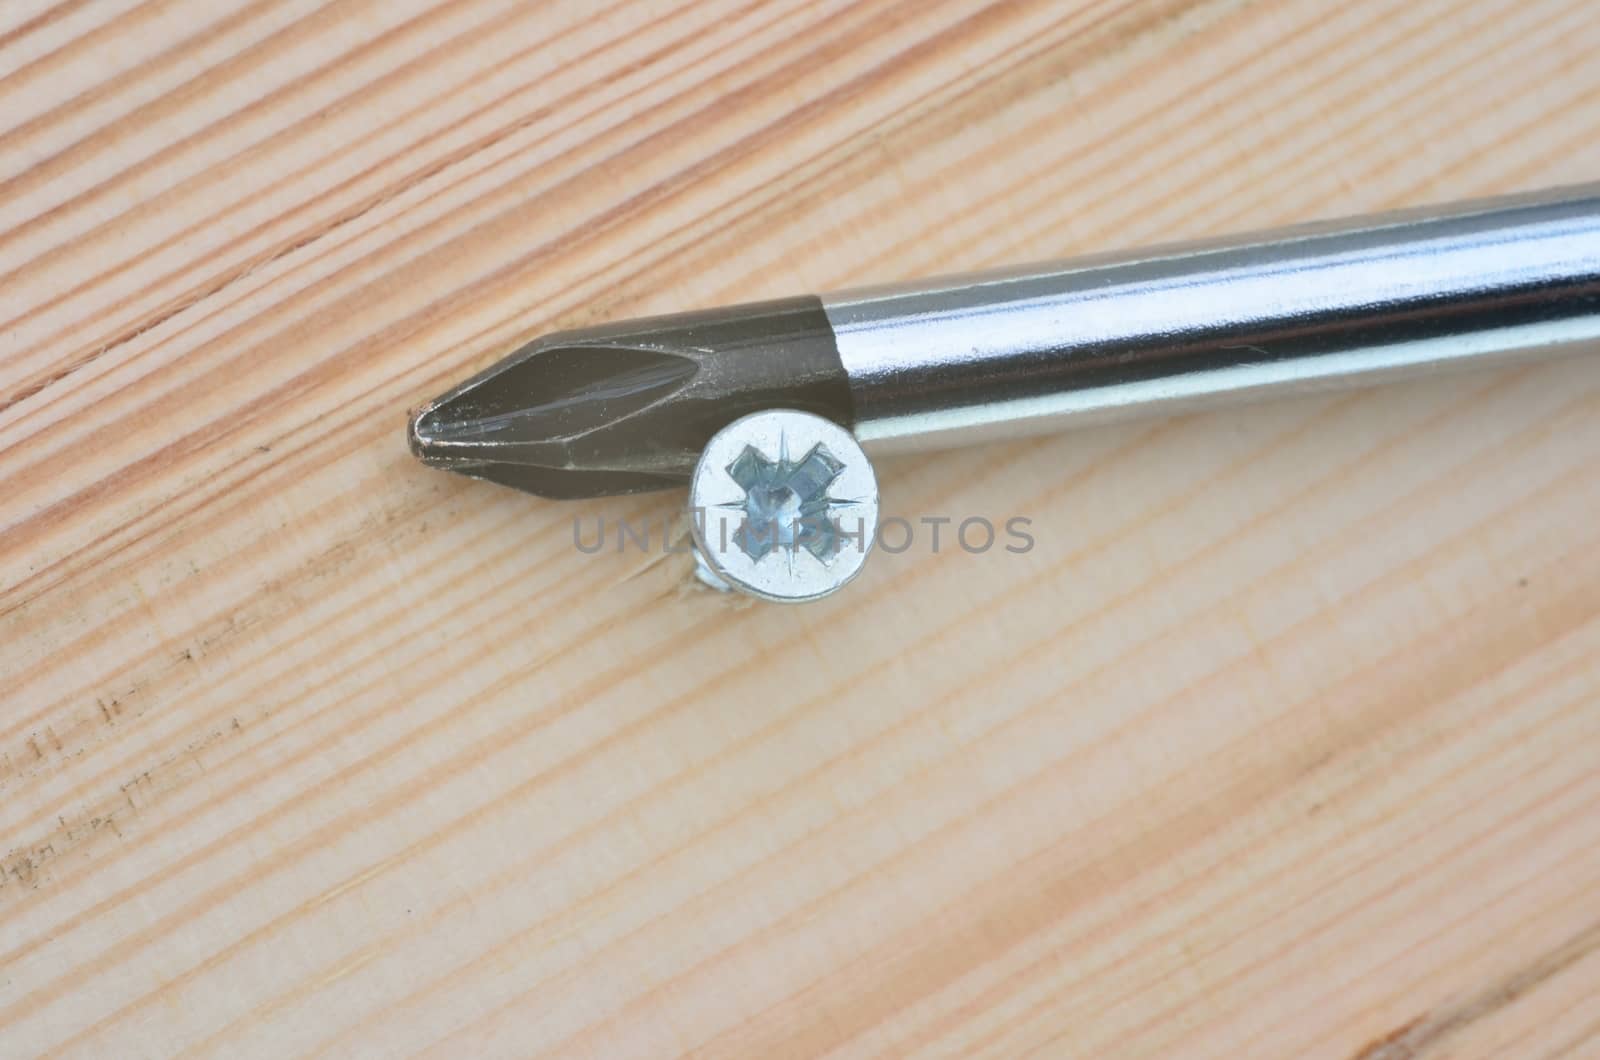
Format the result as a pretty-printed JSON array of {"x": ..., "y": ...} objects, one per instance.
[{"x": 630, "y": 406}]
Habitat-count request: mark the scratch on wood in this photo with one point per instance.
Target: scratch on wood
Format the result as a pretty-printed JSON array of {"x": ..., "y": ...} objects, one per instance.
[
  {"x": 87, "y": 725},
  {"x": 1421, "y": 1036},
  {"x": 24, "y": 864}
]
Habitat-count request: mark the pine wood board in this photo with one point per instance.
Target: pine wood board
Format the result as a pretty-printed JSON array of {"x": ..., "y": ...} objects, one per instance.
[{"x": 1281, "y": 741}]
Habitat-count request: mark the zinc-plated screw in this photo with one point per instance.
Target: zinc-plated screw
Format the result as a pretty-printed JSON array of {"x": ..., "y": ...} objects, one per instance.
[{"x": 784, "y": 506}]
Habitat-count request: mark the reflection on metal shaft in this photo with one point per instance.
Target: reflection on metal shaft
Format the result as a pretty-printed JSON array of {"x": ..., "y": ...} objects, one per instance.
[{"x": 1039, "y": 349}]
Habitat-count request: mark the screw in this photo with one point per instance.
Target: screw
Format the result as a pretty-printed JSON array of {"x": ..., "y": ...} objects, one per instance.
[{"x": 784, "y": 506}]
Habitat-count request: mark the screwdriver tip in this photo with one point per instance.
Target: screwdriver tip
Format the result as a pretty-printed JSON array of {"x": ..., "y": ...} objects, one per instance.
[{"x": 628, "y": 407}]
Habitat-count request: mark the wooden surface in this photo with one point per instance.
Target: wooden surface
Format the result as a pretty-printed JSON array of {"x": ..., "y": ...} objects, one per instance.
[{"x": 1283, "y": 741}]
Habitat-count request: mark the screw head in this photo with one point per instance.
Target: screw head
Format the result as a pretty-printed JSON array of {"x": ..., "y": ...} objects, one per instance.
[{"x": 784, "y": 506}]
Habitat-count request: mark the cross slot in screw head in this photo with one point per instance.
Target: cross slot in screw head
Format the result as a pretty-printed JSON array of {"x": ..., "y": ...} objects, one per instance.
[{"x": 784, "y": 506}]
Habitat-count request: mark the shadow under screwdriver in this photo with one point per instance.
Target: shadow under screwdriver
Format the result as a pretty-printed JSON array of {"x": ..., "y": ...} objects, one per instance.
[{"x": 627, "y": 407}]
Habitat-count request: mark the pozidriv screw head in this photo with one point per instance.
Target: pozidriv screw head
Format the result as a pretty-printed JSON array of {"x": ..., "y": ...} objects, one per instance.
[{"x": 783, "y": 505}]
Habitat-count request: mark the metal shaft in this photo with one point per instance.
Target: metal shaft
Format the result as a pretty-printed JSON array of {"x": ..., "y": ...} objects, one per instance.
[
  {"x": 1048, "y": 347},
  {"x": 629, "y": 406}
]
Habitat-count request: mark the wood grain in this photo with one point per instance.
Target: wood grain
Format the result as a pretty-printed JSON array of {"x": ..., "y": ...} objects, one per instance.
[{"x": 1281, "y": 741}]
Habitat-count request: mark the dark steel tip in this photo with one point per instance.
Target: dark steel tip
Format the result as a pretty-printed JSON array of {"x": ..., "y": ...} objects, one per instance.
[{"x": 628, "y": 407}]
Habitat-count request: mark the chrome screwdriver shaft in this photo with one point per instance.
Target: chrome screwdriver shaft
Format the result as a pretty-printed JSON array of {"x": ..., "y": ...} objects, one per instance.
[{"x": 629, "y": 406}]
